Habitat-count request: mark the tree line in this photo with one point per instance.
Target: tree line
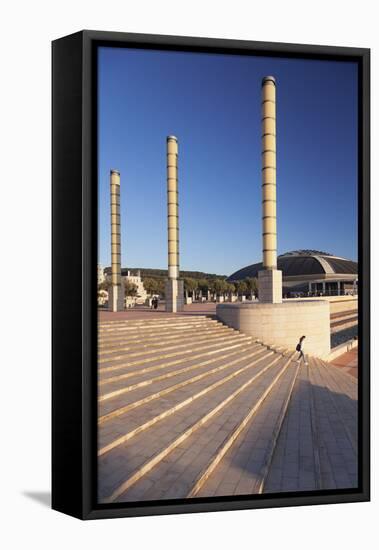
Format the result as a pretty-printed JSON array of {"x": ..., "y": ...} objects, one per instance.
[
  {"x": 194, "y": 287},
  {"x": 220, "y": 286},
  {"x": 158, "y": 273}
]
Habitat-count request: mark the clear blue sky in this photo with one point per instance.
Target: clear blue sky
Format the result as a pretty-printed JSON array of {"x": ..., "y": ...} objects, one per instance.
[{"x": 212, "y": 104}]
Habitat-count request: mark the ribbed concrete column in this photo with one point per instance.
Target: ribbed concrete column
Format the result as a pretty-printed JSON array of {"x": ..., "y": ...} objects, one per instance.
[
  {"x": 174, "y": 287},
  {"x": 172, "y": 207},
  {"x": 115, "y": 228},
  {"x": 116, "y": 295},
  {"x": 270, "y": 279},
  {"x": 269, "y": 172}
]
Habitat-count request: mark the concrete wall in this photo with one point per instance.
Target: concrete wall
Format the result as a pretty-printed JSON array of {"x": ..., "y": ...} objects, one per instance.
[{"x": 283, "y": 324}]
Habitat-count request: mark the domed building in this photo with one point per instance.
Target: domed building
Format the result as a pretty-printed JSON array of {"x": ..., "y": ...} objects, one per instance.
[{"x": 310, "y": 273}]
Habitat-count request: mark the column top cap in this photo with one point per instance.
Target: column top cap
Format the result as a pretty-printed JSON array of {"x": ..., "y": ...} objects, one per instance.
[
  {"x": 115, "y": 172},
  {"x": 268, "y": 79},
  {"x": 172, "y": 137}
]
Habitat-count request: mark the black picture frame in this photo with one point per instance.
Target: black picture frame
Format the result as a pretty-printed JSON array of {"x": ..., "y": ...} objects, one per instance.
[{"x": 74, "y": 315}]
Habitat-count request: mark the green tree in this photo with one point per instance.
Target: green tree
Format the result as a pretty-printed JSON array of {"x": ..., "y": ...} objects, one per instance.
[
  {"x": 131, "y": 289},
  {"x": 241, "y": 288},
  {"x": 203, "y": 285},
  {"x": 219, "y": 286},
  {"x": 230, "y": 288},
  {"x": 160, "y": 285},
  {"x": 252, "y": 285},
  {"x": 190, "y": 285},
  {"x": 151, "y": 285}
]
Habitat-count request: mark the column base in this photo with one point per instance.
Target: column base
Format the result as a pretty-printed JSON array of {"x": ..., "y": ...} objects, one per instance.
[
  {"x": 174, "y": 295},
  {"x": 116, "y": 299},
  {"x": 270, "y": 286}
]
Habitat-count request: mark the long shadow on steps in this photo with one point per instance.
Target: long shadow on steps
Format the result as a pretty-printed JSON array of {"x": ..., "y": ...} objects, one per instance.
[{"x": 315, "y": 449}]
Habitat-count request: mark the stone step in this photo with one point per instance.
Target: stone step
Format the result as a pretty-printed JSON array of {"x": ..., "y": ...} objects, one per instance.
[
  {"x": 342, "y": 325},
  {"x": 344, "y": 320},
  {"x": 338, "y": 459},
  {"x": 242, "y": 463},
  {"x": 145, "y": 327},
  {"x": 342, "y": 314},
  {"x": 191, "y": 389},
  {"x": 131, "y": 351},
  {"x": 158, "y": 339},
  {"x": 152, "y": 331},
  {"x": 114, "y": 386},
  {"x": 116, "y": 390},
  {"x": 295, "y": 464},
  {"x": 345, "y": 379},
  {"x": 192, "y": 372},
  {"x": 226, "y": 343},
  {"x": 277, "y": 349},
  {"x": 160, "y": 319},
  {"x": 191, "y": 408},
  {"x": 213, "y": 355},
  {"x": 345, "y": 404},
  {"x": 147, "y": 450}
]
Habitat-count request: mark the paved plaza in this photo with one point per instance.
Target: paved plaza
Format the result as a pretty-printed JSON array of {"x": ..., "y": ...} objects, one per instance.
[
  {"x": 348, "y": 362},
  {"x": 191, "y": 408}
]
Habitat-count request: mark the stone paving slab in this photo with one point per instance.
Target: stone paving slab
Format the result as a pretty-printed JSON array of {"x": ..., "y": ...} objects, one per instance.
[
  {"x": 146, "y": 444},
  {"x": 333, "y": 436},
  {"x": 348, "y": 362},
  {"x": 345, "y": 402},
  {"x": 194, "y": 454},
  {"x": 293, "y": 465}
]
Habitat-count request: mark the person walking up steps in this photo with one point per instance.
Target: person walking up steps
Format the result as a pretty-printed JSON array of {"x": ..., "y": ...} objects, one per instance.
[{"x": 300, "y": 348}]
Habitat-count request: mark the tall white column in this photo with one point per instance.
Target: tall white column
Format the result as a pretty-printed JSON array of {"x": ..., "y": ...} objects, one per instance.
[
  {"x": 174, "y": 286},
  {"x": 270, "y": 278},
  {"x": 116, "y": 293}
]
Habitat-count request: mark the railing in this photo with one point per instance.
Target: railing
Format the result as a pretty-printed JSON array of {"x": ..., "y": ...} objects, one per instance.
[{"x": 320, "y": 293}]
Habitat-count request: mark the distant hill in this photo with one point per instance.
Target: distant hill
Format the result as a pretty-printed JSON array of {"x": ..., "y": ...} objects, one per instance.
[{"x": 162, "y": 273}]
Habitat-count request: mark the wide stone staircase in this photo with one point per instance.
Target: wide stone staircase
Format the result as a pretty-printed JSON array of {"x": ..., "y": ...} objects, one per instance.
[
  {"x": 188, "y": 407},
  {"x": 343, "y": 320}
]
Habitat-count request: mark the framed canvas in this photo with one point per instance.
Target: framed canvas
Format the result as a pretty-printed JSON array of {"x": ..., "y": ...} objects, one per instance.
[{"x": 210, "y": 275}]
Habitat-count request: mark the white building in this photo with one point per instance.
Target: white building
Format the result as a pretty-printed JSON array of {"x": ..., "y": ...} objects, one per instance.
[
  {"x": 100, "y": 274},
  {"x": 130, "y": 301},
  {"x": 141, "y": 292}
]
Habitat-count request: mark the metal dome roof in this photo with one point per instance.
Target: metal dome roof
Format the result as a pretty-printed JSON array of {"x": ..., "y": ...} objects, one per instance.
[{"x": 302, "y": 262}]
